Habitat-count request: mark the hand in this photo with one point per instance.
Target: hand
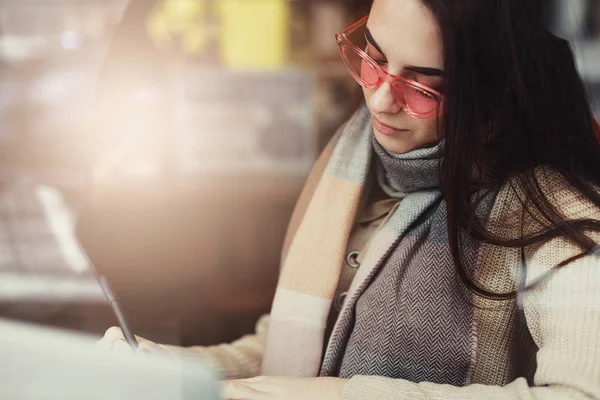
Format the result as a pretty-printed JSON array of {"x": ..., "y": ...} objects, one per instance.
[
  {"x": 272, "y": 388},
  {"x": 114, "y": 340}
]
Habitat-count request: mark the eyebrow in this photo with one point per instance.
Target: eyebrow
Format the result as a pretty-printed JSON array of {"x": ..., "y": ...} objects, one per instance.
[
  {"x": 371, "y": 40},
  {"x": 427, "y": 71}
]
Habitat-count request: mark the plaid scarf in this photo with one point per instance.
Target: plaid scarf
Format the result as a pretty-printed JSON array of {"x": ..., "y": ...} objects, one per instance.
[{"x": 406, "y": 282}]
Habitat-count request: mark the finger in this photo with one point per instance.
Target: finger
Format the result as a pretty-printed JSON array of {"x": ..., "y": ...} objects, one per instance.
[
  {"x": 264, "y": 384},
  {"x": 148, "y": 347},
  {"x": 254, "y": 380},
  {"x": 121, "y": 346},
  {"x": 141, "y": 340},
  {"x": 115, "y": 332},
  {"x": 112, "y": 333},
  {"x": 235, "y": 390}
]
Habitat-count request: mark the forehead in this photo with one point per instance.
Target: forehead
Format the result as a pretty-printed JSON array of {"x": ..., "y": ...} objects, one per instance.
[{"x": 407, "y": 32}]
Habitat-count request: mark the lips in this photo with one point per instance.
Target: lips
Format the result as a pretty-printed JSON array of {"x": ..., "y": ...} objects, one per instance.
[{"x": 385, "y": 129}]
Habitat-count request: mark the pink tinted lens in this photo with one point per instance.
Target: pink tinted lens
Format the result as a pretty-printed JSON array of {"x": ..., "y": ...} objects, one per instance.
[
  {"x": 416, "y": 100},
  {"x": 360, "y": 69}
]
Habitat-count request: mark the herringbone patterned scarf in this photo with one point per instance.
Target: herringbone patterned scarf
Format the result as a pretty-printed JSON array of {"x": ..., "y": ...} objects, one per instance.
[
  {"x": 411, "y": 319},
  {"x": 406, "y": 315}
]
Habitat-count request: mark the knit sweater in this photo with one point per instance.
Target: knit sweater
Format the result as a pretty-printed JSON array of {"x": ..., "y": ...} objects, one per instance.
[{"x": 562, "y": 315}]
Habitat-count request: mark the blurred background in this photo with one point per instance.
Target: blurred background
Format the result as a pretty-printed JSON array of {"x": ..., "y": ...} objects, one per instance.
[{"x": 166, "y": 141}]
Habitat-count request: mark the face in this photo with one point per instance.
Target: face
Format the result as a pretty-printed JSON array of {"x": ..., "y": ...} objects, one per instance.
[{"x": 404, "y": 38}]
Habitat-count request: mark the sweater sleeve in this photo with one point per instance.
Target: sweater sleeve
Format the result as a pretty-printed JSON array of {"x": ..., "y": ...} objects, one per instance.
[
  {"x": 563, "y": 316},
  {"x": 239, "y": 359}
]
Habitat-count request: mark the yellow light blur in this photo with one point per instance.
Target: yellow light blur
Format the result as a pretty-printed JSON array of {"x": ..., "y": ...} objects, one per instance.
[
  {"x": 179, "y": 20},
  {"x": 254, "y": 33}
]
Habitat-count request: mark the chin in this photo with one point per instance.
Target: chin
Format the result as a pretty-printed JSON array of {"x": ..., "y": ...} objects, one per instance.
[{"x": 394, "y": 144}]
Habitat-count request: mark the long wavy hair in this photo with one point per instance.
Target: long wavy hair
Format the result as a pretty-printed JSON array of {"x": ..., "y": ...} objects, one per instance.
[{"x": 515, "y": 102}]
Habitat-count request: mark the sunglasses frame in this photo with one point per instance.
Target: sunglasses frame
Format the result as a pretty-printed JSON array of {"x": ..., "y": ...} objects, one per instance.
[{"x": 383, "y": 76}]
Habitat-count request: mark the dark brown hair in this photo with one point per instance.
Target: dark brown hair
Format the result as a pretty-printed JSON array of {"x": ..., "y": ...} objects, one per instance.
[{"x": 515, "y": 102}]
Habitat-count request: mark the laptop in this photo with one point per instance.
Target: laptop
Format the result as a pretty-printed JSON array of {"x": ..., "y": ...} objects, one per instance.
[{"x": 44, "y": 363}]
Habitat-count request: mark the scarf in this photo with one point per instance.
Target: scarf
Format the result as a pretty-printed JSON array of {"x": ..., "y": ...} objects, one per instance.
[{"x": 406, "y": 314}]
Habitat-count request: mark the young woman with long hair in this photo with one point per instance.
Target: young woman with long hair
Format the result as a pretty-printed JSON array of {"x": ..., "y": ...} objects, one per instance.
[{"x": 446, "y": 243}]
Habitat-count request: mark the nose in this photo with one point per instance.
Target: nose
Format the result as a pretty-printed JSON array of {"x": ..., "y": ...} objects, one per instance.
[{"x": 382, "y": 100}]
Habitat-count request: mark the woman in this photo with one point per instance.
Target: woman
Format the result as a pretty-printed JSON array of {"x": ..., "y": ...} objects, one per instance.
[{"x": 446, "y": 242}]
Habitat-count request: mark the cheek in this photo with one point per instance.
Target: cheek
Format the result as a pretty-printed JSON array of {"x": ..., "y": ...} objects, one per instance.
[
  {"x": 430, "y": 129},
  {"x": 426, "y": 132}
]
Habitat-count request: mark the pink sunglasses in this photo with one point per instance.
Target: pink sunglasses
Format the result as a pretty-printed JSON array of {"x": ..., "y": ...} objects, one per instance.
[{"x": 417, "y": 100}]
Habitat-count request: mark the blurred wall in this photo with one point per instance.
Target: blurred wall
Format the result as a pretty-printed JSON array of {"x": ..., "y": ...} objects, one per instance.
[{"x": 186, "y": 213}]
